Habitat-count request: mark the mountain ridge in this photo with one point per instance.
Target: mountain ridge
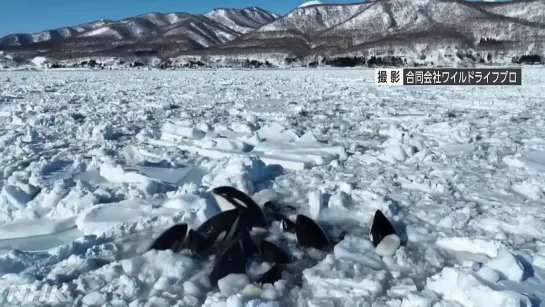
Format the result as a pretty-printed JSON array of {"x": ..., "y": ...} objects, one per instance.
[
  {"x": 397, "y": 20},
  {"x": 420, "y": 31},
  {"x": 155, "y": 21}
]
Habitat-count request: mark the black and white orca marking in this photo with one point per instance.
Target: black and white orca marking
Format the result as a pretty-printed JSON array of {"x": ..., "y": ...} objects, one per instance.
[
  {"x": 225, "y": 203},
  {"x": 231, "y": 261},
  {"x": 173, "y": 238},
  {"x": 383, "y": 235},
  {"x": 273, "y": 254},
  {"x": 310, "y": 234},
  {"x": 217, "y": 227},
  {"x": 229, "y": 198},
  {"x": 221, "y": 228},
  {"x": 288, "y": 225}
]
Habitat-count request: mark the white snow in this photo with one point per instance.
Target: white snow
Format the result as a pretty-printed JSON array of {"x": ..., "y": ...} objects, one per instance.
[
  {"x": 389, "y": 245},
  {"x": 233, "y": 284},
  {"x": 242, "y": 21},
  {"x": 95, "y": 164},
  {"x": 39, "y": 61},
  {"x": 309, "y": 3},
  {"x": 315, "y": 203}
]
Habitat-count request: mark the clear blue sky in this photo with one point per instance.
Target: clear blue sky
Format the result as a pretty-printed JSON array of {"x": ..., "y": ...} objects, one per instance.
[{"x": 30, "y": 16}]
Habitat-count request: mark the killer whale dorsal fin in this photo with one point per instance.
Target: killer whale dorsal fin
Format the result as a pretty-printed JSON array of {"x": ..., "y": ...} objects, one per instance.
[
  {"x": 172, "y": 238},
  {"x": 272, "y": 254},
  {"x": 310, "y": 234},
  {"x": 380, "y": 228},
  {"x": 383, "y": 235},
  {"x": 231, "y": 261}
]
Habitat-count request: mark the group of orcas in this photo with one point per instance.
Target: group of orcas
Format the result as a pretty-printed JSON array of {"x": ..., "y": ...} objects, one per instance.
[{"x": 228, "y": 235}]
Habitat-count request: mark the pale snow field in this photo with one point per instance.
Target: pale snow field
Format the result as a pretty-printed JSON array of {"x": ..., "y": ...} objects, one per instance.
[{"x": 96, "y": 164}]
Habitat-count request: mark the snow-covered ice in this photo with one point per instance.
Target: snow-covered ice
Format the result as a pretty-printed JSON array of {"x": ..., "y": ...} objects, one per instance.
[{"x": 95, "y": 164}]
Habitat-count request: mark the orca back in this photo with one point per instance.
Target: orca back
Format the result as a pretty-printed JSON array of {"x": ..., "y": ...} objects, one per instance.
[
  {"x": 221, "y": 222},
  {"x": 197, "y": 243},
  {"x": 173, "y": 238},
  {"x": 231, "y": 261},
  {"x": 273, "y": 254},
  {"x": 310, "y": 234},
  {"x": 249, "y": 245}
]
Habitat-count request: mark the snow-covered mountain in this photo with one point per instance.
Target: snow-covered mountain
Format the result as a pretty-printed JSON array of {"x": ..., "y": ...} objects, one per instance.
[
  {"x": 242, "y": 21},
  {"x": 401, "y": 28},
  {"x": 216, "y": 27},
  {"x": 420, "y": 30}
]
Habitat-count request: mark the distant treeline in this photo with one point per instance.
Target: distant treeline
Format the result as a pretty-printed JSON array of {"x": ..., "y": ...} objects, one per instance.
[{"x": 343, "y": 61}]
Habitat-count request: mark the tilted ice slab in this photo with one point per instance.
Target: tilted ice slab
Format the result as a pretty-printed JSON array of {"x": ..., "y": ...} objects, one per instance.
[
  {"x": 485, "y": 247},
  {"x": 241, "y": 172},
  {"x": 40, "y": 242},
  {"x": 309, "y": 153},
  {"x": 187, "y": 208},
  {"x": 273, "y": 144},
  {"x": 175, "y": 176},
  {"x": 150, "y": 179},
  {"x": 531, "y": 159},
  {"x": 26, "y": 227}
]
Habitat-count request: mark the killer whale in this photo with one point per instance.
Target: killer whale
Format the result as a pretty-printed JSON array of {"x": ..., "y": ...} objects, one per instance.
[
  {"x": 229, "y": 198},
  {"x": 229, "y": 236},
  {"x": 310, "y": 234},
  {"x": 172, "y": 238},
  {"x": 273, "y": 254},
  {"x": 213, "y": 230},
  {"x": 383, "y": 235},
  {"x": 231, "y": 261}
]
